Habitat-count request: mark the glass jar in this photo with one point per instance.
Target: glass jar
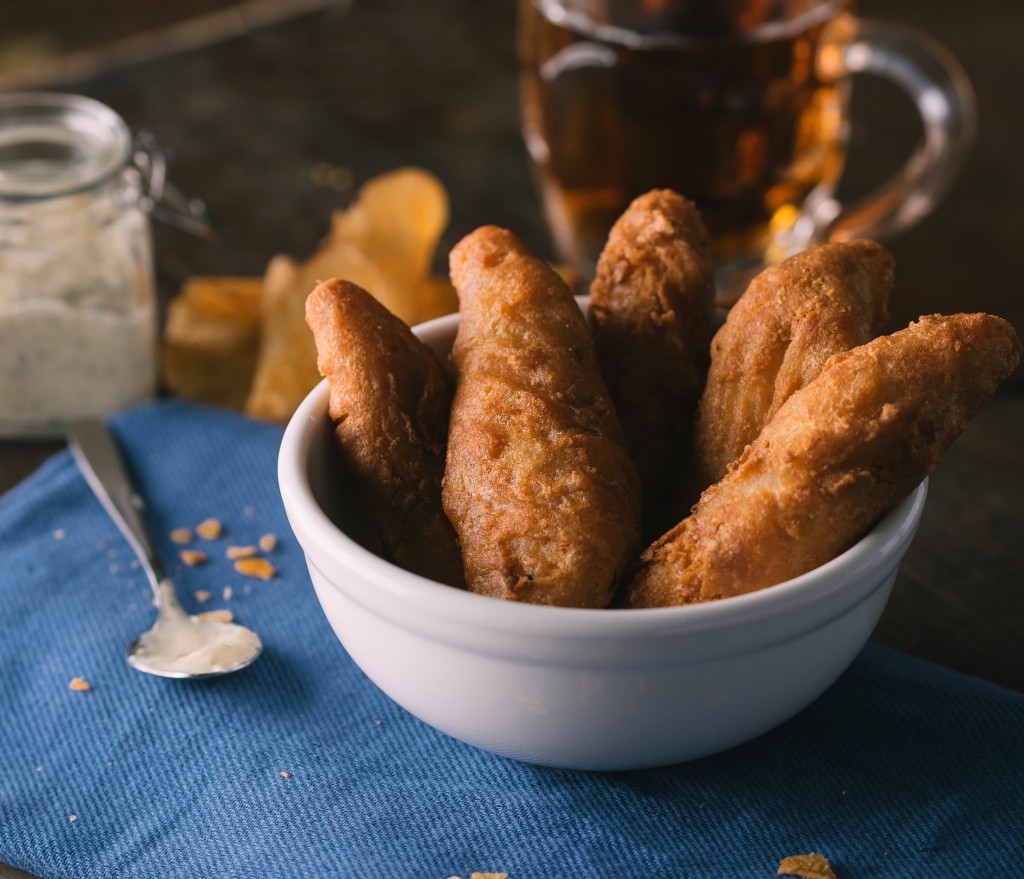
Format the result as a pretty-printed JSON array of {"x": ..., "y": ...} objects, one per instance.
[{"x": 78, "y": 330}]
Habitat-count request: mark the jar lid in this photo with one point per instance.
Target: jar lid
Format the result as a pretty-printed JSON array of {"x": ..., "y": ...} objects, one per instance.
[{"x": 56, "y": 144}]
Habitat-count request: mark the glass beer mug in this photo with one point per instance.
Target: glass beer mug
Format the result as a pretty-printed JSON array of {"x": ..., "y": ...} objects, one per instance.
[{"x": 739, "y": 105}]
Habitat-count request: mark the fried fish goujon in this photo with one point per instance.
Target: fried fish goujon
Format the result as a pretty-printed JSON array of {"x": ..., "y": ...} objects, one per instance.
[
  {"x": 538, "y": 484},
  {"x": 836, "y": 456},
  {"x": 390, "y": 401},
  {"x": 651, "y": 305},
  {"x": 791, "y": 319}
]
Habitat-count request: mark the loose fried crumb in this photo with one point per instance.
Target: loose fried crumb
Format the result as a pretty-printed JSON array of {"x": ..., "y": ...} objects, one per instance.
[
  {"x": 72, "y": 818},
  {"x": 811, "y": 866},
  {"x": 268, "y": 542},
  {"x": 284, "y": 773},
  {"x": 80, "y": 684},
  {"x": 192, "y": 557},
  {"x": 227, "y": 593},
  {"x": 215, "y": 616},
  {"x": 202, "y": 595},
  {"x": 181, "y": 535},
  {"x": 240, "y": 552},
  {"x": 59, "y": 534},
  {"x": 209, "y": 529},
  {"x": 260, "y": 568}
]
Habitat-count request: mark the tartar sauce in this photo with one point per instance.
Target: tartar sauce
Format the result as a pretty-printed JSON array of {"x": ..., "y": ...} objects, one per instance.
[
  {"x": 190, "y": 646},
  {"x": 77, "y": 301}
]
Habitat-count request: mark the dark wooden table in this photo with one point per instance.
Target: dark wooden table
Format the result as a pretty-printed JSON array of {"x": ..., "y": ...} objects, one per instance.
[
  {"x": 385, "y": 83},
  {"x": 376, "y": 85}
]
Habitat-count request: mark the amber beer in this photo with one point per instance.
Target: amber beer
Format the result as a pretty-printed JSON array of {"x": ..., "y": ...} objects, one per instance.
[{"x": 724, "y": 103}]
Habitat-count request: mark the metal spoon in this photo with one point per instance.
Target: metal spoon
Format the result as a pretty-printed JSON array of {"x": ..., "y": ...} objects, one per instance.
[{"x": 178, "y": 645}]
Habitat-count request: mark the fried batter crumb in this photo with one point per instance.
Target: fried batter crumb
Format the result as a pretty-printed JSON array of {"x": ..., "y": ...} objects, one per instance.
[
  {"x": 252, "y": 567},
  {"x": 227, "y": 593},
  {"x": 192, "y": 557},
  {"x": 268, "y": 542},
  {"x": 81, "y": 685},
  {"x": 59, "y": 534},
  {"x": 202, "y": 595},
  {"x": 240, "y": 552},
  {"x": 209, "y": 529},
  {"x": 284, "y": 773},
  {"x": 181, "y": 535},
  {"x": 811, "y": 866},
  {"x": 215, "y": 616},
  {"x": 72, "y": 818}
]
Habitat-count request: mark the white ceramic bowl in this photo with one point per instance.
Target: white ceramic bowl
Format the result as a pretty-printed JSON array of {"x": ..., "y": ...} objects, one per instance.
[{"x": 585, "y": 689}]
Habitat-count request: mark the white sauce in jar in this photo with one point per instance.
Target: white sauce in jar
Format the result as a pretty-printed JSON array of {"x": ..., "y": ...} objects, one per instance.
[
  {"x": 78, "y": 330},
  {"x": 60, "y": 363}
]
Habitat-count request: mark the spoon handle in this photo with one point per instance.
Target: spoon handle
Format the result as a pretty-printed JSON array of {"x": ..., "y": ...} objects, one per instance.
[{"x": 97, "y": 456}]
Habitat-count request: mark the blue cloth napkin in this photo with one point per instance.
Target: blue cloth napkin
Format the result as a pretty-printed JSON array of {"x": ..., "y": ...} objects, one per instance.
[{"x": 299, "y": 766}]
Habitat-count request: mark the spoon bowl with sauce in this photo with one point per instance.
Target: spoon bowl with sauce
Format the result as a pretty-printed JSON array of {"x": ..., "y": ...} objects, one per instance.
[{"x": 178, "y": 645}]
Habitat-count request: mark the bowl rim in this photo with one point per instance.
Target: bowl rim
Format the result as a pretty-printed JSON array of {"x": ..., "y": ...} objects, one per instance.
[{"x": 833, "y": 586}]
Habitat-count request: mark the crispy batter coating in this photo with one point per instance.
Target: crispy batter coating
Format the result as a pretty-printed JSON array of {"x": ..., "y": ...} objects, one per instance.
[
  {"x": 539, "y": 486},
  {"x": 390, "y": 401},
  {"x": 651, "y": 307},
  {"x": 837, "y": 455},
  {"x": 792, "y": 318}
]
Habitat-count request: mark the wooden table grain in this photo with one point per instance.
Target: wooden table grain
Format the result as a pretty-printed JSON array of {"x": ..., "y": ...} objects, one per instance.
[{"x": 371, "y": 86}]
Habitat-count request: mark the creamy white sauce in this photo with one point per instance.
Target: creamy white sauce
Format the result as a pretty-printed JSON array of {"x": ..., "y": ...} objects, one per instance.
[
  {"x": 78, "y": 328},
  {"x": 187, "y": 645},
  {"x": 60, "y": 364}
]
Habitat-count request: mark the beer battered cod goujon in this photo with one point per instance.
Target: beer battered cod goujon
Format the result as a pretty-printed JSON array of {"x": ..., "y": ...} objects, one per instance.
[
  {"x": 791, "y": 319},
  {"x": 390, "y": 400},
  {"x": 538, "y": 482},
  {"x": 651, "y": 305},
  {"x": 837, "y": 455}
]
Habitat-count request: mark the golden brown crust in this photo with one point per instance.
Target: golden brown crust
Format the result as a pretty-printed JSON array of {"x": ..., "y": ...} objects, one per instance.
[
  {"x": 776, "y": 339},
  {"x": 837, "y": 455},
  {"x": 651, "y": 306},
  {"x": 390, "y": 401},
  {"x": 538, "y": 482}
]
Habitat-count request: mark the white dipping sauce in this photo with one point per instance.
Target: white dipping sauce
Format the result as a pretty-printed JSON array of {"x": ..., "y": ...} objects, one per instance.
[
  {"x": 78, "y": 330},
  {"x": 59, "y": 363},
  {"x": 189, "y": 646}
]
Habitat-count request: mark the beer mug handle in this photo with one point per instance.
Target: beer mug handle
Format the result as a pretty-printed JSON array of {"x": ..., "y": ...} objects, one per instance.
[{"x": 940, "y": 89}]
